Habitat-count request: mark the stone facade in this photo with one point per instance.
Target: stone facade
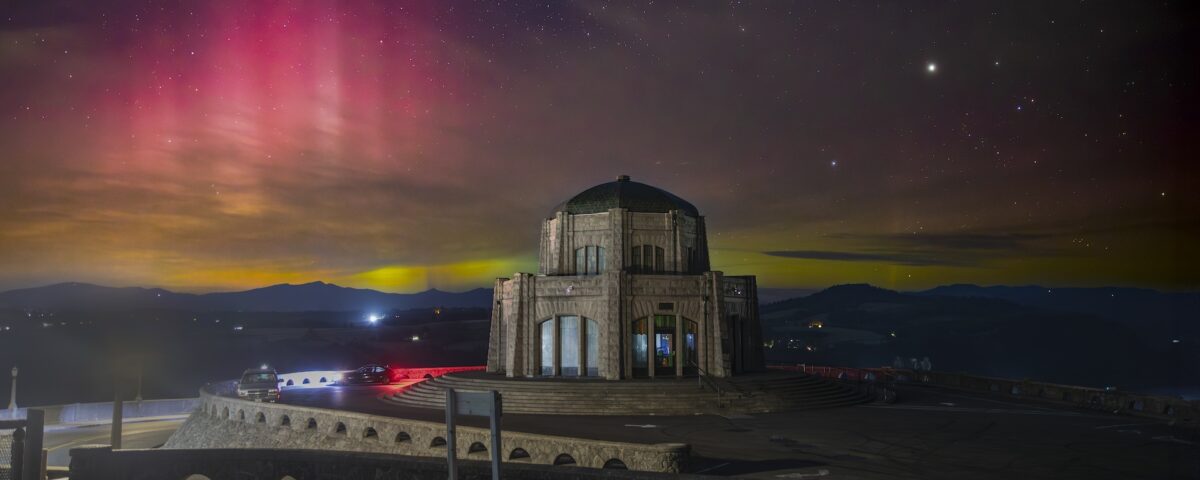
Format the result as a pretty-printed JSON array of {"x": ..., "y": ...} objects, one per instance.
[{"x": 628, "y": 293}]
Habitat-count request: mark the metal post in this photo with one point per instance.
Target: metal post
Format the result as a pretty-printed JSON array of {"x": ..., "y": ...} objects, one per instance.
[
  {"x": 34, "y": 430},
  {"x": 138, "y": 397},
  {"x": 117, "y": 414},
  {"x": 451, "y": 441},
  {"x": 496, "y": 445},
  {"x": 12, "y": 401},
  {"x": 17, "y": 455}
]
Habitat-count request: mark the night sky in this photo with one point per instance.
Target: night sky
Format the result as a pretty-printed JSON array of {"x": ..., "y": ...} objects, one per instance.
[{"x": 403, "y": 145}]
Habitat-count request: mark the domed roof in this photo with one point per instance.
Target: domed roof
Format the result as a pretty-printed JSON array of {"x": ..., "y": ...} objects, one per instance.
[{"x": 630, "y": 195}]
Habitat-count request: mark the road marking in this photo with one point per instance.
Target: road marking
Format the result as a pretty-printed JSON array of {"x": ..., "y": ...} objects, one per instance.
[
  {"x": 125, "y": 434},
  {"x": 931, "y": 408},
  {"x": 1168, "y": 438},
  {"x": 709, "y": 469},
  {"x": 1125, "y": 425},
  {"x": 820, "y": 473},
  {"x": 648, "y": 425}
]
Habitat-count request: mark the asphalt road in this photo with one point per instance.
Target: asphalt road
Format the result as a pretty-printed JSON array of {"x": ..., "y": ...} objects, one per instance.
[
  {"x": 929, "y": 434},
  {"x": 60, "y": 439}
]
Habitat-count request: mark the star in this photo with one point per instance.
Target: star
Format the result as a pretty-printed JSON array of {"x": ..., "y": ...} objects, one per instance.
[
  {"x": 833, "y": 163},
  {"x": 931, "y": 67}
]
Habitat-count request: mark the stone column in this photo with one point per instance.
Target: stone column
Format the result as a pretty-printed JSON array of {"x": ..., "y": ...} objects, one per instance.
[
  {"x": 615, "y": 338},
  {"x": 496, "y": 363}
]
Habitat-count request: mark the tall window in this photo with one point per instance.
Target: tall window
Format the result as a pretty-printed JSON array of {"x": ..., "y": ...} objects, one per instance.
[
  {"x": 689, "y": 260},
  {"x": 589, "y": 260},
  {"x": 647, "y": 259},
  {"x": 575, "y": 350}
]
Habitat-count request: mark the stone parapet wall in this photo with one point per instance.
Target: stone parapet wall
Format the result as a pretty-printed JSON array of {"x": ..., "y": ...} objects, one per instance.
[
  {"x": 223, "y": 422},
  {"x": 1114, "y": 401},
  {"x": 102, "y": 463}
]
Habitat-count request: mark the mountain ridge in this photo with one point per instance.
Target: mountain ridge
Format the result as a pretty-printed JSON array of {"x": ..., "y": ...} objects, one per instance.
[{"x": 283, "y": 297}]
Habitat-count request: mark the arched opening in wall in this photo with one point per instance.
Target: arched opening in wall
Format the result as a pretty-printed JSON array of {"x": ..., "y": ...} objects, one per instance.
[
  {"x": 564, "y": 459},
  {"x": 427, "y": 376},
  {"x": 615, "y": 464},
  {"x": 370, "y": 434},
  {"x": 519, "y": 454},
  {"x": 285, "y": 421},
  {"x": 437, "y": 442},
  {"x": 260, "y": 418},
  {"x": 304, "y": 382},
  {"x": 339, "y": 429},
  {"x": 403, "y": 437},
  {"x": 476, "y": 448},
  {"x": 311, "y": 424},
  {"x": 290, "y": 383},
  {"x": 323, "y": 380}
]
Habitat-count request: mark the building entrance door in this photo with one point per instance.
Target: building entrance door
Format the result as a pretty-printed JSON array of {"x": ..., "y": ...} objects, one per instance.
[
  {"x": 665, "y": 347},
  {"x": 640, "y": 345}
]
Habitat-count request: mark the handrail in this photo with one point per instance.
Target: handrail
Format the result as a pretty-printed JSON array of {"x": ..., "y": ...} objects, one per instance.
[{"x": 703, "y": 377}]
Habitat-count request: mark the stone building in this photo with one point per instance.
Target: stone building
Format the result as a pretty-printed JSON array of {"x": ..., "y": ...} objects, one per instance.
[{"x": 624, "y": 290}]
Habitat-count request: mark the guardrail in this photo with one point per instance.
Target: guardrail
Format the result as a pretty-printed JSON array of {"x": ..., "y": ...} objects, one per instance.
[
  {"x": 101, "y": 412},
  {"x": 226, "y": 422}
]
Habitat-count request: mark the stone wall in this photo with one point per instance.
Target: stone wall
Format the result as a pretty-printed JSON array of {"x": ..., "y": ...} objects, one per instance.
[
  {"x": 1113, "y": 401},
  {"x": 102, "y": 463},
  {"x": 223, "y": 422}
]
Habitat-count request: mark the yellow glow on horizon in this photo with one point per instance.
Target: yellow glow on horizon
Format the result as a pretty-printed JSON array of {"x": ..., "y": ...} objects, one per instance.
[{"x": 453, "y": 276}]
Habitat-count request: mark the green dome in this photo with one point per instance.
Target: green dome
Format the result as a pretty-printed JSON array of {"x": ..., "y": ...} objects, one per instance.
[{"x": 630, "y": 195}]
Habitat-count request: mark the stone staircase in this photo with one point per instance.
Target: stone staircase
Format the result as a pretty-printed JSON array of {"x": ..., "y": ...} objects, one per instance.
[{"x": 752, "y": 393}]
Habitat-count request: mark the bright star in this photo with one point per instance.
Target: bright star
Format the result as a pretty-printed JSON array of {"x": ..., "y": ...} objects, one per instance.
[
  {"x": 833, "y": 163},
  {"x": 931, "y": 67}
]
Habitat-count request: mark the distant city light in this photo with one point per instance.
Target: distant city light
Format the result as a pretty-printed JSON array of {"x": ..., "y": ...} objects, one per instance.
[
  {"x": 263, "y": 367},
  {"x": 238, "y": 328},
  {"x": 373, "y": 318},
  {"x": 416, "y": 338},
  {"x": 931, "y": 67}
]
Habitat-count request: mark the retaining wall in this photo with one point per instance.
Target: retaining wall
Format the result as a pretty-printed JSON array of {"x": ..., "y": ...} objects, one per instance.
[
  {"x": 224, "y": 422},
  {"x": 102, "y": 463},
  {"x": 1114, "y": 401}
]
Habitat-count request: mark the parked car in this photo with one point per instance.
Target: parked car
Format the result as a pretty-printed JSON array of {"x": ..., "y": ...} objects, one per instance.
[
  {"x": 259, "y": 384},
  {"x": 369, "y": 373}
]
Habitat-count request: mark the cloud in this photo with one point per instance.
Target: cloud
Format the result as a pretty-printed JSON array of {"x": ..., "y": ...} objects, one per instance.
[
  {"x": 932, "y": 249},
  {"x": 899, "y": 258}
]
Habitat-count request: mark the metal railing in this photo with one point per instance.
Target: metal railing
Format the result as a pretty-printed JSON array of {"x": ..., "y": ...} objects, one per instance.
[
  {"x": 703, "y": 378},
  {"x": 21, "y": 453}
]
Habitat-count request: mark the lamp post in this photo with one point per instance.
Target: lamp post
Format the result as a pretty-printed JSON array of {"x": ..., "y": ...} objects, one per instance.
[{"x": 12, "y": 401}]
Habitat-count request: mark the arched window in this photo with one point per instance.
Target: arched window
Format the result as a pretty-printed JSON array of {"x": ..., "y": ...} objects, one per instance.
[
  {"x": 647, "y": 259},
  {"x": 589, "y": 260},
  {"x": 570, "y": 346}
]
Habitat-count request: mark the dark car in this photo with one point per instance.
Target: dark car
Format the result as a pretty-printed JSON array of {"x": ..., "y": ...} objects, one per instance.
[
  {"x": 370, "y": 373},
  {"x": 259, "y": 384}
]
